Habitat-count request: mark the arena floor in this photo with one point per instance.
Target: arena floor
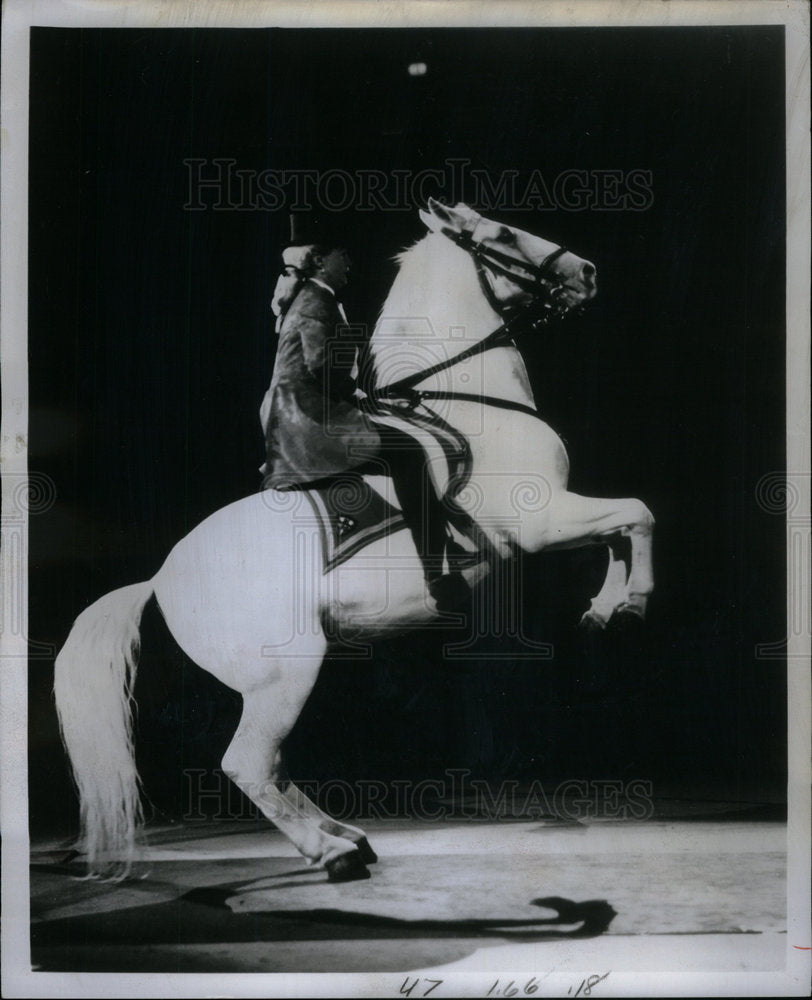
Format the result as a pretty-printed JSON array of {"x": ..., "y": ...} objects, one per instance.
[{"x": 684, "y": 896}]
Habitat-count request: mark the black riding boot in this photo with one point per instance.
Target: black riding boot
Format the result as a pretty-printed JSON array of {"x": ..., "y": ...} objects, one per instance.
[{"x": 424, "y": 516}]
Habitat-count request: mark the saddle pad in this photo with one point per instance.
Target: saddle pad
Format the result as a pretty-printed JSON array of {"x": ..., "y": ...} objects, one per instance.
[{"x": 351, "y": 514}]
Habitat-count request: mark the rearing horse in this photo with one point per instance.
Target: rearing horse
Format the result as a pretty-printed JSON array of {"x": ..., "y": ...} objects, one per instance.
[{"x": 245, "y": 595}]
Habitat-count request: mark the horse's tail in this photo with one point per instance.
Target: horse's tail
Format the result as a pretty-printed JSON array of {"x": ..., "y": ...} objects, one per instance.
[{"x": 94, "y": 677}]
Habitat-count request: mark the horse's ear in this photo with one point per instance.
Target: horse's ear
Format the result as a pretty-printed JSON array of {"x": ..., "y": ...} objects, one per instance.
[
  {"x": 439, "y": 216},
  {"x": 438, "y": 208},
  {"x": 431, "y": 220}
]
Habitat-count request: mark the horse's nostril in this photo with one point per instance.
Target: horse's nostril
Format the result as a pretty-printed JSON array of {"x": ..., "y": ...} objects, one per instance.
[{"x": 587, "y": 271}]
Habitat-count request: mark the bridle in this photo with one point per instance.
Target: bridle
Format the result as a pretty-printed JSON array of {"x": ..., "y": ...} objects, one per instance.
[
  {"x": 547, "y": 303},
  {"x": 546, "y": 289}
]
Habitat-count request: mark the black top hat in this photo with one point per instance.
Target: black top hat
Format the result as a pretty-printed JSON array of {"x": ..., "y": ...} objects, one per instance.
[{"x": 326, "y": 232}]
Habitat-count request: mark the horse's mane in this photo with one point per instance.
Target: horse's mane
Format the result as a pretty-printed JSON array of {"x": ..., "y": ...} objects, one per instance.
[
  {"x": 399, "y": 258},
  {"x": 435, "y": 309},
  {"x": 433, "y": 273},
  {"x": 412, "y": 264}
]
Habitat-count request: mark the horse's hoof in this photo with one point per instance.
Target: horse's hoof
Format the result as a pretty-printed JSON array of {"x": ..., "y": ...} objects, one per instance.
[
  {"x": 591, "y": 623},
  {"x": 627, "y": 623},
  {"x": 347, "y": 868},
  {"x": 368, "y": 856},
  {"x": 627, "y": 616}
]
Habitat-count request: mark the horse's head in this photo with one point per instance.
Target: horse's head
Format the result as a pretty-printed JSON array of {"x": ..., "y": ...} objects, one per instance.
[{"x": 515, "y": 268}]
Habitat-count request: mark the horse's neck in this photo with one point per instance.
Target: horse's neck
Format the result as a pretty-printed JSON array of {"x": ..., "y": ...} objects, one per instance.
[{"x": 435, "y": 311}]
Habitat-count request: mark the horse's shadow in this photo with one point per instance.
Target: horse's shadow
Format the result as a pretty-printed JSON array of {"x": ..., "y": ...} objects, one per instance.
[
  {"x": 593, "y": 917},
  {"x": 168, "y": 933}
]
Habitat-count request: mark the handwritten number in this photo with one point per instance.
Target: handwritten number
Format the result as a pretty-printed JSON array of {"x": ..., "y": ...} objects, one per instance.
[
  {"x": 406, "y": 990},
  {"x": 593, "y": 981},
  {"x": 532, "y": 986}
]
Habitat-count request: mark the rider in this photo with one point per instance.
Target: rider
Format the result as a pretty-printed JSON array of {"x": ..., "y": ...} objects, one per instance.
[{"x": 313, "y": 426}]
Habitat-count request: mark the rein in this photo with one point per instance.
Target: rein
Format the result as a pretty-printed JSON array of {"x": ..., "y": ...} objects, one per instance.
[
  {"x": 532, "y": 317},
  {"x": 502, "y": 336},
  {"x": 416, "y": 396}
]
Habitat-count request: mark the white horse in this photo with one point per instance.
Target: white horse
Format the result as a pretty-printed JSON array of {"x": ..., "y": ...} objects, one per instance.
[{"x": 245, "y": 596}]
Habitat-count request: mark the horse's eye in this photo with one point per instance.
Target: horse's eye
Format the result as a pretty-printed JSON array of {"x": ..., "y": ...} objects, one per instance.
[{"x": 506, "y": 235}]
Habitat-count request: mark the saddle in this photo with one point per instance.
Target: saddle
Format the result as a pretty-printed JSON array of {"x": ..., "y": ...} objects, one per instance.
[{"x": 351, "y": 514}]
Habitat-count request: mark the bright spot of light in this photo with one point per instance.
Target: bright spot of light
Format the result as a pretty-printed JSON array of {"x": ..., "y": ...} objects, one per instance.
[{"x": 417, "y": 69}]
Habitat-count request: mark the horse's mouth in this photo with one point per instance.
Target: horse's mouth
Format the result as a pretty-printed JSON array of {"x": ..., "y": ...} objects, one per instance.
[{"x": 565, "y": 300}]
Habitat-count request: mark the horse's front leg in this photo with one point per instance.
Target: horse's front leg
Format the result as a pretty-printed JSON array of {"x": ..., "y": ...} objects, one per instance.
[
  {"x": 613, "y": 592},
  {"x": 570, "y": 521},
  {"x": 641, "y": 574}
]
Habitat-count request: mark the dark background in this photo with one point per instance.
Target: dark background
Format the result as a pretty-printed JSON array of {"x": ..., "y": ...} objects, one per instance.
[{"x": 151, "y": 343}]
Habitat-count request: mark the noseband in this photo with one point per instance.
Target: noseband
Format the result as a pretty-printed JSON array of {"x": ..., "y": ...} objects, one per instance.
[{"x": 547, "y": 303}]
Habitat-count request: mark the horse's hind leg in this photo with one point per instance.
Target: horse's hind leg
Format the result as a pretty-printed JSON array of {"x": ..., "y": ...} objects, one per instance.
[
  {"x": 253, "y": 762},
  {"x": 332, "y": 826}
]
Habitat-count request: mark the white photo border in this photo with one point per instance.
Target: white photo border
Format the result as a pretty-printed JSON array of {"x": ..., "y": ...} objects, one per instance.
[{"x": 18, "y": 17}]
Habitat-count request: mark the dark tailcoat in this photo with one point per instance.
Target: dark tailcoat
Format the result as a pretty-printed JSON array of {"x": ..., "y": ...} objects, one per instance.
[{"x": 312, "y": 426}]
